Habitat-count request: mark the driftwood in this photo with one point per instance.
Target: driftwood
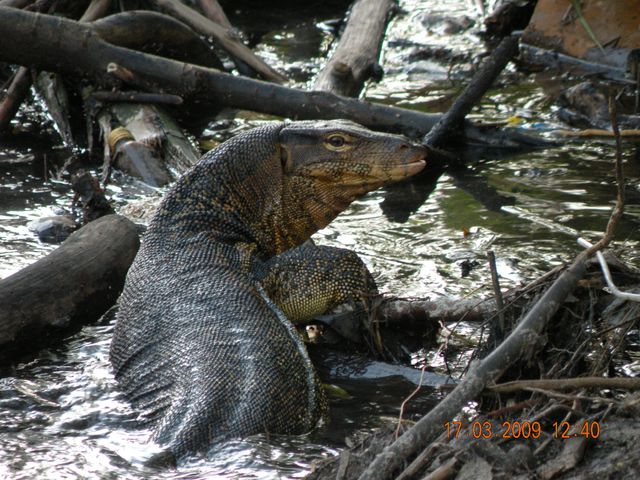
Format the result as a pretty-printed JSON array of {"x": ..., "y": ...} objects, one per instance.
[
  {"x": 214, "y": 12},
  {"x": 96, "y": 9},
  {"x": 482, "y": 373},
  {"x": 75, "y": 283},
  {"x": 568, "y": 384},
  {"x": 444, "y": 310},
  {"x": 158, "y": 34},
  {"x": 49, "y": 86},
  {"x": 355, "y": 59},
  {"x": 89, "y": 201},
  {"x": 136, "y": 97},
  {"x": 225, "y": 37},
  {"x": 51, "y": 43}
]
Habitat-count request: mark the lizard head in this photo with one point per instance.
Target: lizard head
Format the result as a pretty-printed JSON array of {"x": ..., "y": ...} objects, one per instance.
[
  {"x": 347, "y": 156},
  {"x": 326, "y": 165}
]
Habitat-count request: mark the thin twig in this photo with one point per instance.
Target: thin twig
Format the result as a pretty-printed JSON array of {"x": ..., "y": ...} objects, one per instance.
[
  {"x": 620, "y": 197},
  {"x": 565, "y": 396},
  {"x": 568, "y": 383},
  {"x": 406, "y": 400},
  {"x": 496, "y": 290}
]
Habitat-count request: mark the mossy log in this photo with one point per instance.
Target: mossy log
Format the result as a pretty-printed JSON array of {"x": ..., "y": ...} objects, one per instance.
[{"x": 73, "y": 285}]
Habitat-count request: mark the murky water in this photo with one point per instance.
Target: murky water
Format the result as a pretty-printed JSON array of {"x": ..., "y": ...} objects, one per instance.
[{"x": 61, "y": 415}]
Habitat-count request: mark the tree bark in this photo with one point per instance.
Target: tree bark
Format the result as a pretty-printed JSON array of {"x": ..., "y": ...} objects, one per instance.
[
  {"x": 356, "y": 57},
  {"x": 56, "y": 43},
  {"x": 74, "y": 284},
  {"x": 153, "y": 147}
]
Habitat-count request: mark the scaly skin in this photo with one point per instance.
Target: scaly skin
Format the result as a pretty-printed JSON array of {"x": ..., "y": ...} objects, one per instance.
[
  {"x": 309, "y": 280},
  {"x": 199, "y": 347}
]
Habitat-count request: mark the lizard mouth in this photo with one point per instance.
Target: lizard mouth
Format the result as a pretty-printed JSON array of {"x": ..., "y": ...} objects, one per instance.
[
  {"x": 393, "y": 173},
  {"x": 370, "y": 176},
  {"x": 406, "y": 169}
]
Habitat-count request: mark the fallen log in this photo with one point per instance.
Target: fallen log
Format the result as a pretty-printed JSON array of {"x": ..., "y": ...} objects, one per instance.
[
  {"x": 74, "y": 284},
  {"x": 480, "y": 374},
  {"x": 214, "y": 12},
  {"x": 158, "y": 34},
  {"x": 50, "y": 87},
  {"x": 96, "y": 9},
  {"x": 355, "y": 59},
  {"x": 52, "y": 43}
]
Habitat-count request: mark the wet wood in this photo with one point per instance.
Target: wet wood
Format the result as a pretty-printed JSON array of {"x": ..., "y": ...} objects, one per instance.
[
  {"x": 73, "y": 285},
  {"x": 624, "y": 383},
  {"x": 571, "y": 454},
  {"x": 89, "y": 201},
  {"x": 56, "y": 47},
  {"x": 51, "y": 89},
  {"x": 136, "y": 97},
  {"x": 519, "y": 343},
  {"x": 355, "y": 59},
  {"x": 213, "y": 11},
  {"x": 51, "y": 43},
  {"x": 159, "y": 34},
  {"x": 225, "y": 37},
  {"x": 508, "y": 17},
  {"x": 16, "y": 93},
  {"x": 445, "y": 310}
]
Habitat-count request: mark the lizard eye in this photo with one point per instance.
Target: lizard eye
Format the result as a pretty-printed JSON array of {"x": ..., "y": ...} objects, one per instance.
[{"x": 336, "y": 141}]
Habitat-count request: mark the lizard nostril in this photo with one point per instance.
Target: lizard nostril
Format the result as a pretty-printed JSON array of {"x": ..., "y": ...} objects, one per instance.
[{"x": 403, "y": 146}]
